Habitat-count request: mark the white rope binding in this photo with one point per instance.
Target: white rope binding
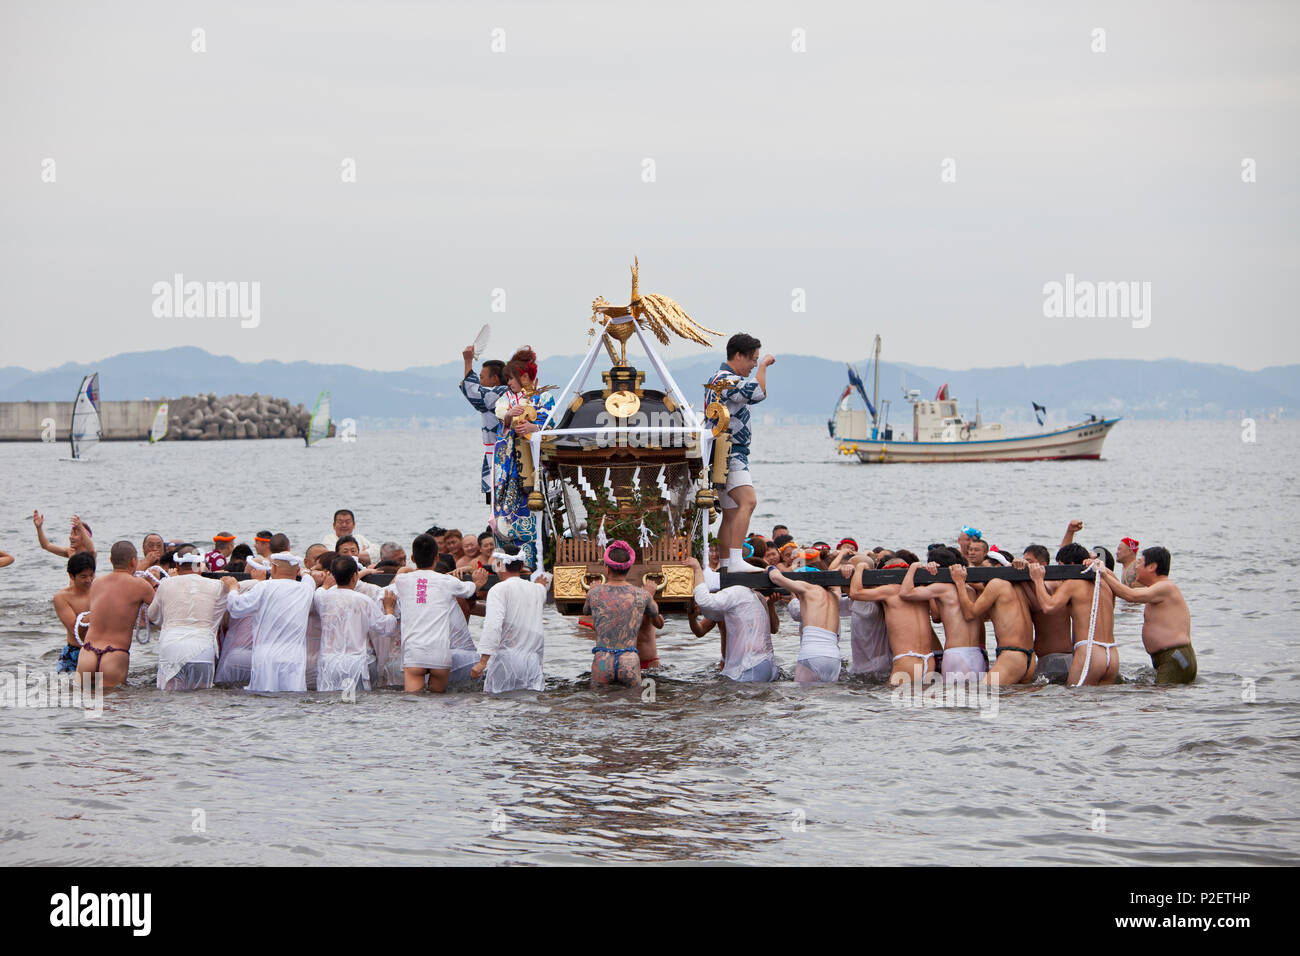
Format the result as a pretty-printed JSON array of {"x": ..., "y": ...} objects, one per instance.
[{"x": 1092, "y": 625}]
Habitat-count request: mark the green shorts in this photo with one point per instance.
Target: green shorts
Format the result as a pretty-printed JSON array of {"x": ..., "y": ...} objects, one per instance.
[{"x": 1175, "y": 665}]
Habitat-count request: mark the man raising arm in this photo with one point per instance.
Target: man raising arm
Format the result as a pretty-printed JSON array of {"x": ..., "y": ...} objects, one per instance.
[{"x": 738, "y": 499}]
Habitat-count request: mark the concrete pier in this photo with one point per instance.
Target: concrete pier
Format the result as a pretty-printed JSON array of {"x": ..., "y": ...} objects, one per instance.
[
  {"x": 190, "y": 417},
  {"x": 32, "y": 421}
]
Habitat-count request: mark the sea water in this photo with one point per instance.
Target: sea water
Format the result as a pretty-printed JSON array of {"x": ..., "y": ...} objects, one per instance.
[{"x": 698, "y": 769}]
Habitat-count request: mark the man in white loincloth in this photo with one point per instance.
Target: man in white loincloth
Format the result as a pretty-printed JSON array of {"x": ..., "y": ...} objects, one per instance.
[{"x": 819, "y": 626}]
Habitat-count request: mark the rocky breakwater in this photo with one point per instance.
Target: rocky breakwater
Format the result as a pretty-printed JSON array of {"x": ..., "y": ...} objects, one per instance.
[{"x": 208, "y": 418}]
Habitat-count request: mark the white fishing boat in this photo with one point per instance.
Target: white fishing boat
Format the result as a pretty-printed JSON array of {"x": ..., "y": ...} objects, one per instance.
[
  {"x": 158, "y": 431},
  {"x": 85, "y": 430},
  {"x": 940, "y": 434}
]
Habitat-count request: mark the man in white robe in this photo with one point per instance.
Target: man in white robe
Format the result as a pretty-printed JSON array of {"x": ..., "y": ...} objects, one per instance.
[
  {"x": 189, "y": 608},
  {"x": 426, "y": 603},
  {"x": 512, "y": 643},
  {"x": 235, "y": 665},
  {"x": 750, "y": 622},
  {"x": 280, "y": 607},
  {"x": 349, "y": 618}
]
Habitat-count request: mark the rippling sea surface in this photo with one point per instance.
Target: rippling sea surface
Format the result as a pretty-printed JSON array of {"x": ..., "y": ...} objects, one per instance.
[{"x": 774, "y": 774}]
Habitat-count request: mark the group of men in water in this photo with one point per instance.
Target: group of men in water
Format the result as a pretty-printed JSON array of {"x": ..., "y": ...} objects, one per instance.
[
  {"x": 316, "y": 622},
  {"x": 294, "y": 623},
  {"x": 1062, "y": 631}
]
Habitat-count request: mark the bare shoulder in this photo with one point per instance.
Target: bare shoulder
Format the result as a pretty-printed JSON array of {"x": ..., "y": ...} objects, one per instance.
[{"x": 1167, "y": 591}]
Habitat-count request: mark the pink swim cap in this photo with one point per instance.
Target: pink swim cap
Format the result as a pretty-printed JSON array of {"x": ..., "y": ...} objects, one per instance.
[{"x": 615, "y": 564}]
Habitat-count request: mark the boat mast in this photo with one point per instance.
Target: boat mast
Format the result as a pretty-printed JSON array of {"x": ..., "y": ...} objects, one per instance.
[{"x": 875, "y": 392}]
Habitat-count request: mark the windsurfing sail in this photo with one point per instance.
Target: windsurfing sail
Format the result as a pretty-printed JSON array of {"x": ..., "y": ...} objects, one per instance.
[
  {"x": 319, "y": 426},
  {"x": 159, "y": 430},
  {"x": 86, "y": 431}
]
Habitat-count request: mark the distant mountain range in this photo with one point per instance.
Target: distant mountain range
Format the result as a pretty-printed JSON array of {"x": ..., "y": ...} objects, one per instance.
[{"x": 803, "y": 389}]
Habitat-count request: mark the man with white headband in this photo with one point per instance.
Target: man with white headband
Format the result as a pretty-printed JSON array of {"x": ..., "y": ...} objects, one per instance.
[
  {"x": 511, "y": 647},
  {"x": 280, "y": 607},
  {"x": 189, "y": 607},
  {"x": 999, "y": 557},
  {"x": 426, "y": 601}
]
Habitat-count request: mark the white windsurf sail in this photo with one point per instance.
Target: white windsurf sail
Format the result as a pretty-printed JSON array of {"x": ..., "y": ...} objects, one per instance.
[
  {"x": 319, "y": 426},
  {"x": 86, "y": 430},
  {"x": 159, "y": 430}
]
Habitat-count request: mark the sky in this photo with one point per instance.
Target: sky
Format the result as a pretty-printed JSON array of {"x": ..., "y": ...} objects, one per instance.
[{"x": 811, "y": 173}]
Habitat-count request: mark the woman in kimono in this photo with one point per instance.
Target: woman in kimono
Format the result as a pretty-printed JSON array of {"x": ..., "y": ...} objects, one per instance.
[{"x": 513, "y": 524}]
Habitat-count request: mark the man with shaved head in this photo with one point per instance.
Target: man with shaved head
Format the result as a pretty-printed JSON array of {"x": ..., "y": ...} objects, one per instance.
[{"x": 115, "y": 601}]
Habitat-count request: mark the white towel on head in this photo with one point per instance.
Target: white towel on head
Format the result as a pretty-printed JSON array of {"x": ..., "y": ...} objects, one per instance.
[{"x": 287, "y": 558}]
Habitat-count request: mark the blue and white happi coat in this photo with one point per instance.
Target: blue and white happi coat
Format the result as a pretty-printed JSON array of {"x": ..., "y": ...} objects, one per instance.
[
  {"x": 514, "y": 524},
  {"x": 742, "y": 393},
  {"x": 484, "y": 401}
]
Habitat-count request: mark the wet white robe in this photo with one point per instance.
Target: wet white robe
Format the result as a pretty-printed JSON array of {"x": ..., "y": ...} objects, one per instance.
[
  {"x": 868, "y": 640},
  {"x": 385, "y": 652},
  {"x": 235, "y": 665},
  {"x": 426, "y": 601},
  {"x": 512, "y": 634},
  {"x": 189, "y": 607},
  {"x": 280, "y": 607},
  {"x": 749, "y": 631},
  {"x": 348, "y": 619},
  {"x": 464, "y": 653}
]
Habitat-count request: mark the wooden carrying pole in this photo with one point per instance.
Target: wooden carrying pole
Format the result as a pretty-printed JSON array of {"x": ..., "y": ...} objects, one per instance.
[{"x": 829, "y": 579}]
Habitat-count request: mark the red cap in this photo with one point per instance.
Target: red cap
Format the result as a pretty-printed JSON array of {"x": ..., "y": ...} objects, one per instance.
[{"x": 1130, "y": 543}]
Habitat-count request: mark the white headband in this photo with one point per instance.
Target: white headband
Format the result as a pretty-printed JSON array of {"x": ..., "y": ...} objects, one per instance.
[
  {"x": 1000, "y": 558},
  {"x": 506, "y": 558},
  {"x": 287, "y": 558},
  {"x": 191, "y": 558},
  {"x": 252, "y": 562}
]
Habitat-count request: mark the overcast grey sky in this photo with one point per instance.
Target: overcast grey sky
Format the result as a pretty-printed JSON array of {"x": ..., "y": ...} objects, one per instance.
[{"x": 774, "y": 170}]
